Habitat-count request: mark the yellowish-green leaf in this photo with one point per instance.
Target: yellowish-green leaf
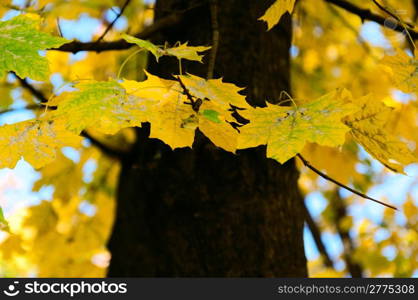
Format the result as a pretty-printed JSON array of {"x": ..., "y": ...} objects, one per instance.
[
  {"x": 285, "y": 130},
  {"x": 34, "y": 140},
  {"x": 274, "y": 13},
  {"x": 103, "y": 105},
  {"x": 20, "y": 42},
  {"x": 368, "y": 129},
  {"x": 183, "y": 51},
  {"x": 147, "y": 45}
]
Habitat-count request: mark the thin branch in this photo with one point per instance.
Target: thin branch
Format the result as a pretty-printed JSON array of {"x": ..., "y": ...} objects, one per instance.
[
  {"x": 384, "y": 9},
  {"x": 215, "y": 37},
  {"x": 316, "y": 234},
  {"x": 307, "y": 164},
  {"x": 194, "y": 103},
  {"x": 366, "y": 14},
  {"x": 104, "y": 148},
  {"x": 76, "y": 46},
  {"x": 114, "y": 20},
  {"x": 43, "y": 99},
  {"x": 35, "y": 92},
  {"x": 340, "y": 213},
  {"x": 59, "y": 27}
]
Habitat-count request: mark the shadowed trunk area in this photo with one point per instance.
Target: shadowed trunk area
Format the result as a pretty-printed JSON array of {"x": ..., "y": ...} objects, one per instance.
[{"x": 204, "y": 211}]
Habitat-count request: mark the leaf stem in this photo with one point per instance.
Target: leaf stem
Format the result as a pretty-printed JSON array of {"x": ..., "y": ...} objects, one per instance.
[{"x": 127, "y": 59}]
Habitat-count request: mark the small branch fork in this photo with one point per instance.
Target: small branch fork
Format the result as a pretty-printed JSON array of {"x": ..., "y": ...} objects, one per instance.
[
  {"x": 114, "y": 20},
  {"x": 308, "y": 165},
  {"x": 194, "y": 103}
]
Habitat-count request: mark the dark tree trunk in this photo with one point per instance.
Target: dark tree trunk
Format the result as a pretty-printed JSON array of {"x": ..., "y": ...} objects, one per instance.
[{"x": 207, "y": 212}]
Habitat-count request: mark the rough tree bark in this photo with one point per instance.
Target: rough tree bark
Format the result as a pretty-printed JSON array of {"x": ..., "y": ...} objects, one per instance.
[{"x": 203, "y": 211}]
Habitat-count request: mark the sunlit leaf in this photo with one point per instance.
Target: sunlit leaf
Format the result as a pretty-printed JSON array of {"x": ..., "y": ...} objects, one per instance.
[
  {"x": 274, "y": 13},
  {"x": 285, "y": 130},
  {"x": 20, "y": 43}
]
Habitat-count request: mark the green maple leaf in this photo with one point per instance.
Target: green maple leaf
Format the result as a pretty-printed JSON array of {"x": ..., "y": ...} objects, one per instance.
[{"x": 20, "y": 43}]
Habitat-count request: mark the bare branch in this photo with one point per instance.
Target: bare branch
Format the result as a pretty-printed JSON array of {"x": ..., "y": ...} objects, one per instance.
[
  {"x": 104, "y": 148},
  {"x": 114, "y": 20},
  {"x": 121, "y": 44},
  {"x": 307, "y": 164},
  {"x": 36, "y": 93},
  {"x": 366, "y": 14},
  {"x": 28, "y": 107}
]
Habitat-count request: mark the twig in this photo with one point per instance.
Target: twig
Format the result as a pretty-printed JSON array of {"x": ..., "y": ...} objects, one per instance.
[
  {"x": 108, "y": 28},
  {"x": 215, "y": 37},
  {"x": 104, "y": 148},
  {"x": 316, "y": 234},
  {"x": 366, "y": 14},
  {"x": 194, "y": 103},
  {"x": 36, "y": 93},
  {"x": 59, "y": 27},
  {"x": 121, "y": 44},
  {"x": 307, "y": 164},
  {"x": 384, "y": 9},
  {"x": 28, "y": 107}
]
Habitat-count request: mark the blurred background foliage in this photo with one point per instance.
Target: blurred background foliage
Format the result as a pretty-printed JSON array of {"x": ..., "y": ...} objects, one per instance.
[{"x": 60, "y": 216}]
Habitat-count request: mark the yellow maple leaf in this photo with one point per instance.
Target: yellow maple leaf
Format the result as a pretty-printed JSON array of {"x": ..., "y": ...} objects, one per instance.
[
  {"x": 176, "y": 122},
  {"x": 222, "y": 93},
  {"x": 153, "y": 88},
  {"x": 368, "y": 129},
  {"x": 106, "y": 106},
  {"x": 217, "y": 128},
  {"x": 274, "y": 13},
  {"x": 35, "y": 140},
  {"x": 285, "y": 130},
  {"x": 183, "y": 51}
]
